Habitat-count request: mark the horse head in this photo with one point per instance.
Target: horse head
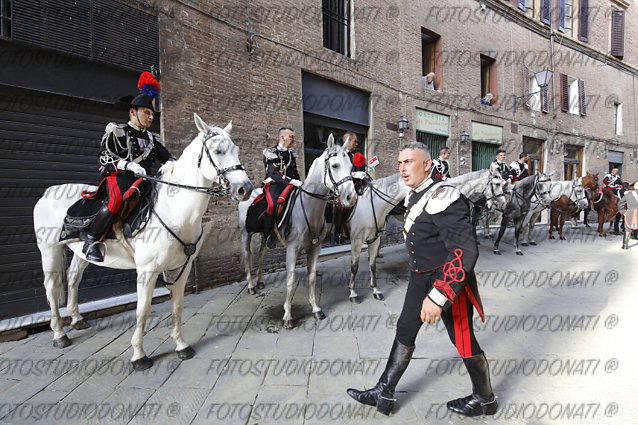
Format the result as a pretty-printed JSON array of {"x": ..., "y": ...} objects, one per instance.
[
  {"x": 590, "y": 181},
  {"x": 578, "y": 194},
  {"x": 336, "y": 173},
  {"x": 543, "y": 188},
  {"x": 219, "y": 160}
]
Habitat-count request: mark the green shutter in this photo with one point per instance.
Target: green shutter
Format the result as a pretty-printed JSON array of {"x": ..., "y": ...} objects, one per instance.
[
  {"x": 483, "y": 154},
  {"x": 434, "y": 142}
]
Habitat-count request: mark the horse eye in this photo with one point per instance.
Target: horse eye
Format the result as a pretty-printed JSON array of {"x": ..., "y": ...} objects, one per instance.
[
  {"x": 335, "y": 165},
  {"x": 218, "y": 152}
]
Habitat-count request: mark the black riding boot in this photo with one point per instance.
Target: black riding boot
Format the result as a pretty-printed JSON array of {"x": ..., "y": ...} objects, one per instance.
[
  {"x": 99, "y": 226},
  {"x": 482, "y": 400},
  {"x": 382, "y": 395},
  {"x": 625, "y": 239}
]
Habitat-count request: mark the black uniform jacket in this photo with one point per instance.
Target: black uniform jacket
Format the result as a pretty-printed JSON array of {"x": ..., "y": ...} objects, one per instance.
[
  {"x": 439, "y": 237},
  {"x": 281, "y": 165},
  {"x": 127, "y": 143}
]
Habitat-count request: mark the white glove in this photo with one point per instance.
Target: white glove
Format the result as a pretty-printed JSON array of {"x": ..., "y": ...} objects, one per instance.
[
  {"x": 296, "y": 182},
  {"x": 136, "y": 168},
  {"x": 359, "y": 174}
]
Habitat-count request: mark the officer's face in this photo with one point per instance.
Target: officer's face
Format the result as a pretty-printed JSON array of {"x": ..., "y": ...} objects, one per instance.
[
  {"x": 141, "y": 116},
  {"x": 414, "y": 166},
  {"x": 501, "y": 156},
  {"x": 445, "y": 154},
  {"x": 287, "y": 140}
]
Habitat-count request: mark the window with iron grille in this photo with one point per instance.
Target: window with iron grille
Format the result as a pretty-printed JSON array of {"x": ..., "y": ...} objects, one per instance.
[
  {"x": 336, "y": 26},
  {"x": 5, "y": 19},
  {"x": 99, "y": 29}
]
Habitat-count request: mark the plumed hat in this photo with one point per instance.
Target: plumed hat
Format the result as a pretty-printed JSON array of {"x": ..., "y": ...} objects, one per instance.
[{"x": 148, "y": 89}]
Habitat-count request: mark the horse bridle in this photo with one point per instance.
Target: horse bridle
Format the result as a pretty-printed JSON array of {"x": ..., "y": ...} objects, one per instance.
[
  {"x": 539, "y": 194},
  {"x": 327, "y": 170},
  {"x": 494, "y": 195},
  {"x": 222, "y": 180}
]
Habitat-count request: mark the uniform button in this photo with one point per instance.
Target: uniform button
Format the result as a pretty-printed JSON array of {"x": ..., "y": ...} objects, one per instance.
[
  {"x": 412, "y": 233},
  {"x": 412, "y": 252},
  {"x": 411, "y": 243},
  {"x": 414, "y": 261}
]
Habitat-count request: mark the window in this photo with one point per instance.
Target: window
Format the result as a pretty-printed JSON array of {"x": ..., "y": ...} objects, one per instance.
[
  {"x": 488, "y": 81},
  {"x": 618, "y": 118},
  {"x": 430, "y": 52},
  {"x": 535, "y": 99},
  {"x": 545, "y": 11},
  {"x": 336, "y": 26},
  {"x": 618, "y": 33},
  {"x": 534, "y": 149},
  {"x": 527, "y": 6},
  {"x": 5, "y": 19},
  {"x": 569, "y": 19},
  {"x": 572, "y": 95},
  {"x": 573, "y": 161}
]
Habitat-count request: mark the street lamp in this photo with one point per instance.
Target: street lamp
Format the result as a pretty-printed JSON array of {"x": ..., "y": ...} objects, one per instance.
[
  {"x": 542, "y": 79},
  {"x": 465, "y": 136},
  {"x": 402, "y": 125}
]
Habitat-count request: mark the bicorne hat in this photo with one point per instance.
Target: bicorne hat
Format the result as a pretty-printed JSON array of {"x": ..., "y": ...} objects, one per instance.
[{"x": 148, "y": 89}]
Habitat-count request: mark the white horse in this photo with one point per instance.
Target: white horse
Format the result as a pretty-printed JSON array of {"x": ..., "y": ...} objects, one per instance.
[
  {"x": 330, "y": 171},
  {"x": 481, "y": 186},
  {"x": 367, "y": 222},
  {"x": 573, "y": 189},
  {"x": 167, "y": 244}
]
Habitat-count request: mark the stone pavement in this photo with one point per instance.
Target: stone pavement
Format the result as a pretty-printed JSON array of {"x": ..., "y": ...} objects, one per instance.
[{"x": 558, "y": 334}]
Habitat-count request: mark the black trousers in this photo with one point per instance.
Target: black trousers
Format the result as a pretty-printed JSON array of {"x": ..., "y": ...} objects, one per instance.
[{"x": 457, "y": 319}]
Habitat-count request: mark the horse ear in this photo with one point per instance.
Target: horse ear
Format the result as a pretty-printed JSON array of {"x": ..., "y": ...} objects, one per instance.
[
  {"x": 331, "y": 141},
  {"x": 201, "y": 125},
  {"x": 229, "y": 127}
]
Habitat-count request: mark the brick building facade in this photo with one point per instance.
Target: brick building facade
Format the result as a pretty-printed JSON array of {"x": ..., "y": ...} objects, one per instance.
[{"x": 332, "y": 65}]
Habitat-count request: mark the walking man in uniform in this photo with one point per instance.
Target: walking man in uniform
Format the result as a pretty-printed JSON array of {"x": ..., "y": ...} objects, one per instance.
[{"x": 442, "y": 250}]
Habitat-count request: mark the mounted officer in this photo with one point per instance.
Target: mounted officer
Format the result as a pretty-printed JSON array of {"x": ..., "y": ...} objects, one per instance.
[
  {"x": 498, "y": 167},
  {"x": 519, "y": 169},
  {"x": 440, "y": 166},
  {"x": 281, "y": 171},
  {"x": 613, "y": 181},
  {"x": 127, "y": 152}
]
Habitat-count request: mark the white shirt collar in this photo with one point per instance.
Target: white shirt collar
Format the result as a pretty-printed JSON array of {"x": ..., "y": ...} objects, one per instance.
[
  {"x": 130, "y": 123},
  {"x": 421, "y": 186},
  {"x": 281, "y": 148}
]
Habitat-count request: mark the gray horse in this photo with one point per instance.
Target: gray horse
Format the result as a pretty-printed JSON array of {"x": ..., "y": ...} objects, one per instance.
[
  {"x": 367, "y": 222},
  {"x": 534, "y": 186},
  {"x": 330, "y": 171}
]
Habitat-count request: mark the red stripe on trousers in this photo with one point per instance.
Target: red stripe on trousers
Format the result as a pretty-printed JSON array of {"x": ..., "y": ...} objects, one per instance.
[
  {"x": 461, "y": 326},
  {"x": 115, "y": 196}
]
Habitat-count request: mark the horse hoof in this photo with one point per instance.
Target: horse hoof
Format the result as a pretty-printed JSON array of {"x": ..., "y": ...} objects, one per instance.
[
  {"x": 186, "y": 353},
  {"x": 288, "y": 324},
  {"x": 379, "y": 296},
  {"x": 563, "y": 238},
  {"x": 319, "y": 315},
  {"x": 355, "y": 300},
  {"x": 552, "y": 237},
  {"x": 142, "y": 363},
  {"x": 62, "y": 342},
  {"x": 524, "y": 244},
  {"x": 252, "y": 291},
  {"x": 587, "y": 225},
  {"x": 533, "y": 243},
  {"x": 81, "y": 324},
  {"x": 497, "y": 252},
  {"x": 519, "y": 252},
  {"x": 260, "y": 285}
]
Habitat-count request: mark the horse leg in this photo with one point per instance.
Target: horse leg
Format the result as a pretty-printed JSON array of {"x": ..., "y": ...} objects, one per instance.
[
  {"x": 184, "y": 351},
  {"x": 355, "y": 254},
  {"x": 518, "y": 225},
  {"x": 291, "y": 257},
  {"x": 601, "y": 222},
  {"x": 311, "y": 260},
  {"x": 373, "y": 252},
  {"x": 585, "y": 215},
  {"x": 561, "y": 224},
  {"x": 501, "y": 231},
  {"x": 145, "y": 286},
  {"x": 53, "y": 263},
  {"x": 247, "y": 256},
  {"x": 73, "y": 277},
  {"x": 553, "y": 222},
  {"x": 260, "y": 260}
]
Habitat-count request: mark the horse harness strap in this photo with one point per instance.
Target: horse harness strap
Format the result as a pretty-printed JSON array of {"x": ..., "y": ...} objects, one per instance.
[
  {"x": 384, "y": 197},
  {"x": 314, "y": 237},
  {"x": 220, "y": 172},
  {"x": 189, "y": 249}
]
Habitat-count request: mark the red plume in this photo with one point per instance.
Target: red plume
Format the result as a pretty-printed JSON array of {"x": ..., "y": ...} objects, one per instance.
[
  {"x": 147, "y": 84},
  {"x": 358, "y": 160}
]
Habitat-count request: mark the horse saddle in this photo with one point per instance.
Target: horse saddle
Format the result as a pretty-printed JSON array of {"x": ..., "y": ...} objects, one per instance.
[
  {"x": 265, "y": 212},
  {"x": 133, "y": 215}
]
